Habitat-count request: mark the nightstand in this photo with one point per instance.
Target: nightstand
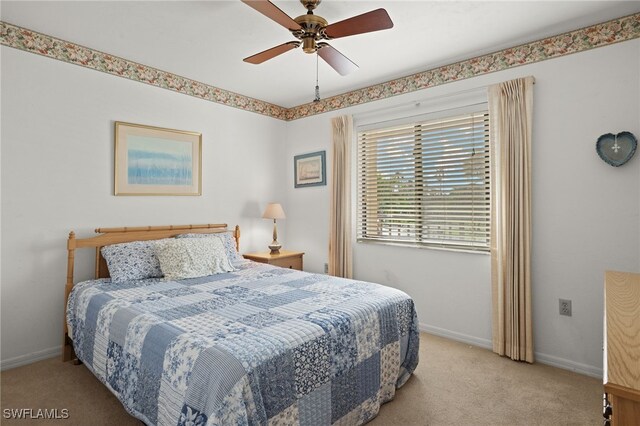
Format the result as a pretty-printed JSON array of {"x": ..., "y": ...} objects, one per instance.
[{"x": 285, "y": 259}]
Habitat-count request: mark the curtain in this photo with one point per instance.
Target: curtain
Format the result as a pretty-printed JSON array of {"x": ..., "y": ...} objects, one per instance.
[
  {"x": 510, "y": 114},
  {"x": 340, "y": 259}
]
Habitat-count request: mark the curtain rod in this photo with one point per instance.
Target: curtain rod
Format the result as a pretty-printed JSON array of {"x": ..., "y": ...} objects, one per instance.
[
  {"x": 379, "y": 122},
  {"x": 417, "y": 102}
]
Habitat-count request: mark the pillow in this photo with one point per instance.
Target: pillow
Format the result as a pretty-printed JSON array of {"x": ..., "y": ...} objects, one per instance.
[
  {"x": 136, "y": 260},
  {"x": 192, "y": 258},
  {"x": 228, "y": 241}
]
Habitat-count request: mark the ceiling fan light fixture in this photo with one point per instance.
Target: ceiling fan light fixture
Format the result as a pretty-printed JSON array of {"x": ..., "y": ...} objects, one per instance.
[
  {"x": 311, "y": 25},
  {"x": 309, "y": 45},
  {"x": 310, "y": 29}
]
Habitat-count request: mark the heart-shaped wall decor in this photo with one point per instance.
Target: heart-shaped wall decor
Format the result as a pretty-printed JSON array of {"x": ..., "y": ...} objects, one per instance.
[{"x": 616, "y": 149}]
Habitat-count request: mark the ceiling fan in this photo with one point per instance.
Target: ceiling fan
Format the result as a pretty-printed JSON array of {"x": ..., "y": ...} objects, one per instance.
[{"x": 309, "y": 29}]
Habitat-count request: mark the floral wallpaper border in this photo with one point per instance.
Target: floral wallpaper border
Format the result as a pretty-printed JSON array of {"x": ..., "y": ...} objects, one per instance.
[
  {"x": 42, "y": 44},
  {"x": 599, "y": 35}
]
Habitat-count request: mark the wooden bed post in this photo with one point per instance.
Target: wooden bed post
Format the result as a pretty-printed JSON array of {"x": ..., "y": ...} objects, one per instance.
[
  {"x": 67, "y": 348},
  {"x": 236, "y": 234}
]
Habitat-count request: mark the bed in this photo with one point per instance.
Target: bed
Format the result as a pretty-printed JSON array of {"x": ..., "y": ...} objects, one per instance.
[{"x": 257, "y": 345}]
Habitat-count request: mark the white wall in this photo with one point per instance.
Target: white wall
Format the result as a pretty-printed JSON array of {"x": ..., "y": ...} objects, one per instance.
[
  {"x": 57, "y": 176},
  {"x": 586, "y": 214}
]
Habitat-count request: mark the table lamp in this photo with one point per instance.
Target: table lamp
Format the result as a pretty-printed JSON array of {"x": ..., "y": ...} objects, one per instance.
[{"x": 274, "y": 211}]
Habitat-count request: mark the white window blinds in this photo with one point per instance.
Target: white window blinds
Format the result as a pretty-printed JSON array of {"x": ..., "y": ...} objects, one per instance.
[{"x": 426, "y": 183}]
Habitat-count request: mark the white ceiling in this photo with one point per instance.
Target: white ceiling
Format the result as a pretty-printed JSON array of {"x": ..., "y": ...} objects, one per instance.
[{"x": 207, "y": 40}]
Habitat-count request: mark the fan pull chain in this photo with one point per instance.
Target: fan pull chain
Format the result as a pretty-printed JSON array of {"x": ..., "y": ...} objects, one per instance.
[{"x": 317, "y": 98}]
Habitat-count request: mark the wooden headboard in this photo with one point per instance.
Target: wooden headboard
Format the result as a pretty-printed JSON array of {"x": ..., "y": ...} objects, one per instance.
[{"x": 108, "y": 236}]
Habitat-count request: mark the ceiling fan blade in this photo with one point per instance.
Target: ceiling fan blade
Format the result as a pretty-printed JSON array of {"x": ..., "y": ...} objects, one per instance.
[
  {"x": 375, "y": 20},
  {"x": 259, "y": 58},
  {"x": 337, "y": 60},
  {"x": 271, "y": 11}
]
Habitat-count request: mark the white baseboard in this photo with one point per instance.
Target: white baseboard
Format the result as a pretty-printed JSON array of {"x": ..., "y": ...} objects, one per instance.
[
  {"x": 565, "y": 364},
  {"x": 32, "y": 357},
  {"x": 554, "y": 361},
  {"x": 454, "y": 335}
]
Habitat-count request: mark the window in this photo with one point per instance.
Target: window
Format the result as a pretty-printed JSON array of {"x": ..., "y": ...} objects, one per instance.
[{"x": 426, "y": 183}]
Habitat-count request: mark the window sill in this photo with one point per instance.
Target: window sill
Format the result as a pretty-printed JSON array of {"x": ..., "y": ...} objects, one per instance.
[{"x": 485, "y": 252}]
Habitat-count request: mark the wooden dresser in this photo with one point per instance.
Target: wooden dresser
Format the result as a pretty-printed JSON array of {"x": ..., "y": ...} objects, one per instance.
[
  {"x": 285, "y": 259},
  {"x": 622, "y": 348}
]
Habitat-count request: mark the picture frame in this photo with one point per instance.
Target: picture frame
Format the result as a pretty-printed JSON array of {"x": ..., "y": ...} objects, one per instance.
[
  {"x": 310, "y": 169},
  {"x": 156, "y": 161}
]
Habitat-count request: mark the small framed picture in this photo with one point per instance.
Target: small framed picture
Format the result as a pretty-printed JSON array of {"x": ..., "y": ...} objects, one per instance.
[
  {"x": 156, "y": 161},
  {"x": 310, "y": 169}
]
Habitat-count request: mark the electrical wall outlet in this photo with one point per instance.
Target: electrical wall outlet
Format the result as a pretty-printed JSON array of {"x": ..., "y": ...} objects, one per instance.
[
  {"x": 565, "y": 307},
  {"x": 326, "y": 268}
]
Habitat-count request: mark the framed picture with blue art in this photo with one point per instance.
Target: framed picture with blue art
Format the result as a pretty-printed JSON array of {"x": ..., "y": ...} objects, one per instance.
[
  {"x": 156, "y": 161},
  {"x": 309, "y": 169}
]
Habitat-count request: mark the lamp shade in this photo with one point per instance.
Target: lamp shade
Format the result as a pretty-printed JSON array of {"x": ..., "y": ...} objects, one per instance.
[{"x": 273, "y": 211}]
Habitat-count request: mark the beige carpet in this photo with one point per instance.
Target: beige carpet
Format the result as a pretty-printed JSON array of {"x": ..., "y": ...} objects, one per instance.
[{"x": 455, "y": 384}]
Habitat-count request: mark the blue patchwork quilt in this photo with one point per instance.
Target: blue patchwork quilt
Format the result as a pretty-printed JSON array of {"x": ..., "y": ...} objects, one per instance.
[{"x": 261, "y": 345}]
